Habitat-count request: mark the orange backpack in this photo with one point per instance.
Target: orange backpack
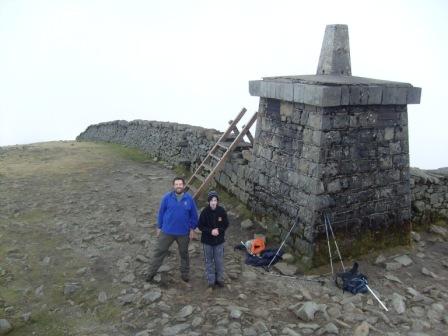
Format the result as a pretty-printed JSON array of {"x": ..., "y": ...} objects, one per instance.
[{"x": 257, "y": 246}]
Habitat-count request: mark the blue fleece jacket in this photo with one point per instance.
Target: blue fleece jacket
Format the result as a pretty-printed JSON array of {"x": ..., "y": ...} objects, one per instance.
[{"x": 177, "y": 217}]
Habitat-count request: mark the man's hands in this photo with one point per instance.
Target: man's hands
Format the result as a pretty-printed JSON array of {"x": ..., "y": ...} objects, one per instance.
[
  {"x": 158, "y": 232},
  {"x": 192, "y": 235},
  {"x": 215, "y": 232}
]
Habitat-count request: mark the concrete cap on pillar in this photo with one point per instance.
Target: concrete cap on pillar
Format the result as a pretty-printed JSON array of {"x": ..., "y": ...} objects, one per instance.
[
  {"x": 334, "y": 85},
  {"x": 335, "y": 53}
]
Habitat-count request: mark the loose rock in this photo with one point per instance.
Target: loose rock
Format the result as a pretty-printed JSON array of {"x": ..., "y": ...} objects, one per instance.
[
  {"x": 5, "y": 327},
  {"x": 362, "y": 329},
  {"x": 247, "y": 224}
]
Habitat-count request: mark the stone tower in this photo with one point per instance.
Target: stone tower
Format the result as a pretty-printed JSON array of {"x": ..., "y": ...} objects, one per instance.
[{"x": 333, "y": 142}]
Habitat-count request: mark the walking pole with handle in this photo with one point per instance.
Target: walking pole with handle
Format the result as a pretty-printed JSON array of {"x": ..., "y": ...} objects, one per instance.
[{"x": 283, "y": 243}]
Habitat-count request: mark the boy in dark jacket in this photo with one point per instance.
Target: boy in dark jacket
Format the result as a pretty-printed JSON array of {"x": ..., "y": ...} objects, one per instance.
[{"x": 213, "y": 223}]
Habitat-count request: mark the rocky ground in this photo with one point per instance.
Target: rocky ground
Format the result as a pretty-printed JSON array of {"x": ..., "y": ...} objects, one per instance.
[{"x": 76, "y": 231}]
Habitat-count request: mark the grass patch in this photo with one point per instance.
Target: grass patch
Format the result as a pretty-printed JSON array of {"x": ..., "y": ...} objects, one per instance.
[
  {"x": 128, "y": 153},
  {"x": 108, "y": 312},
  {"x": 43, "y": 322},
  {"x": 366, "y": 242}
]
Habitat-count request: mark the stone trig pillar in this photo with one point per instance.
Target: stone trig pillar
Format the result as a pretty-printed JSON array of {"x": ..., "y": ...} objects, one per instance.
[{"x": 334, "y": 142}]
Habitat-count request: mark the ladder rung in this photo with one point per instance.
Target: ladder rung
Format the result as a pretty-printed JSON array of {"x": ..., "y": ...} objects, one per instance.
[
  {"x": 215, "y": 157},
  {"x": 192, "y": 189},
  {"x": 206, "y": 166},
  {"x": 199, "y": 177},
  {"x": 222, "y": 145}
]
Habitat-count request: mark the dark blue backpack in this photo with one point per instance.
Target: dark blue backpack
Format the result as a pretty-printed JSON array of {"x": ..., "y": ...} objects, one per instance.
[
  {"x": 352, "y": 281},
  {"x": 265, "y": 258}
]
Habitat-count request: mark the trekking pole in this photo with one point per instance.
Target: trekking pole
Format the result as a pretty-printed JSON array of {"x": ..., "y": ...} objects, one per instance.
[
  {"x": 328, "y": 243},
  {"x": 376, "y": 297},
  {"x": 335, "y": 243},
  {"x": 283, "y": 243}
]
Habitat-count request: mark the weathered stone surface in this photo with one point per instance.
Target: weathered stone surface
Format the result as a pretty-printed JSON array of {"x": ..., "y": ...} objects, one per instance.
[
  {"x": 5, "y": 327},
  {"x": 335, "y": 53},
  {"x": 185, "y": 311},
  {"x": 71, "y": 288},
  {"x": 398, "y": 303},
  {"x": 102, "y": 297},
  {"x": 285, "y": 269},
  {"x": 247, "y": 224},
  {"x": 152, "y": 296},
  {"x": 307, "y": 310},
  {"x": 175, "y": 330},
  {"x": 362, "y": 329},
  {"x": 404, "y": 260}
]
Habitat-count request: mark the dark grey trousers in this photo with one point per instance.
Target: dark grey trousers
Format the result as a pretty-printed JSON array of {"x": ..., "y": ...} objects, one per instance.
[
  {"x": 163, "y": 244},
  {"x": 214, "y": 263}
]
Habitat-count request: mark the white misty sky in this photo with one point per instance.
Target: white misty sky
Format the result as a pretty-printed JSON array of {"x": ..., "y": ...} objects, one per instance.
[{"x": 67, "y": 64}]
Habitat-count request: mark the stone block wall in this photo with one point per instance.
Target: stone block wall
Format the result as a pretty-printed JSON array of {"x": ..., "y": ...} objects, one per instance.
[
  {"x": 365, "y": 167},
  {"x": 170, "y": 142},
  {"x": 429, "y": 196},
  {"x": 288, "y": 172}
]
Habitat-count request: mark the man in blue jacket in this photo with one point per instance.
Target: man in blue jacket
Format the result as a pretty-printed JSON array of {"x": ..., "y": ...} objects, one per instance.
[{"x": 177, "y": 219}]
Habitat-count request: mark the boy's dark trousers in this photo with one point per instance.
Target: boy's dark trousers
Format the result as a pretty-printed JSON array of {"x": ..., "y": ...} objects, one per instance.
[{"x": 214, "y": 263}]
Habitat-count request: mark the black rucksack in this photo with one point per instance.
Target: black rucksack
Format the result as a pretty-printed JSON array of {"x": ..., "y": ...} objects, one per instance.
[{"x": 352, "y": 281}]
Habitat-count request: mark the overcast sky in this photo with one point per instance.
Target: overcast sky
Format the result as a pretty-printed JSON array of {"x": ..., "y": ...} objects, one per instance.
[{"x": 67, "y": 64}]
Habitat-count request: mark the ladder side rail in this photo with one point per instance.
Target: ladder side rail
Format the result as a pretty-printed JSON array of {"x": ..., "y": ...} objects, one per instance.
[
  {"x": 222, "y": 138},
  {"x": 224, "y": 157}
]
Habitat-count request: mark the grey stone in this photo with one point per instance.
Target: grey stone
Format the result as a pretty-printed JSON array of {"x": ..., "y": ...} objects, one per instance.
[
  {"x": 152, "y": 296},
  {"x": 185, "y": 311},
  {"x": 249, "y": 275},
  {"x": 102, "y": 297},
  {"x": 5, "y": 327},
  {"x": 329, "y": 328},
  {"x": 393, "y": 266},
  {"x": 26, "y": 317},
  {"x": 288, "y": 257},
  {"x": 392, "y": 278},
  {"x": 250, "y": 332},
  {"x": 309, "y": 326},
  {"x": 416, "y": 236},
  {"x": 261, "y": 328},
  {"x": 439, "y": 230},
  {"x": 247, "y": 224},
  {"x": 427, "y": 272},
  {"x": 235, "y": 313},
  {"x": 413, "y": 95},
  {"x": 126, "y": 299},
  {"x": 289, "y": 332},
  {"x": 197, "y": 321},
  {"x": 404, "y": 260},
  {"x": 142, "y": 258},
  {"x": 362, "y": 330},
  {"x": 129, "y": 278},
  {"x": 335, "y": 53},
  {"x": 285, "y": 269},
  {"x": 379, "y": 260},
  {"x": 175, "y": 330},
  {"x": 398, "y": 303},
  {"x": 307, "y": 310},
  {"x": 39, "y": 291},
  {"x": 71, "y": 288},
  {"x": 143, "y": 333}
]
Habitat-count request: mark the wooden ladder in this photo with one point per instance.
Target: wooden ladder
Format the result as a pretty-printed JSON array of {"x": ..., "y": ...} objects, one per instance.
[{"x": 213, "y": 163}]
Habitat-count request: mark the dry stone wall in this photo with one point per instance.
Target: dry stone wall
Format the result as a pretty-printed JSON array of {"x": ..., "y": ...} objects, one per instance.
[
  {"x": 429, "y": 196},
  {"x": 246, "y": 174}
]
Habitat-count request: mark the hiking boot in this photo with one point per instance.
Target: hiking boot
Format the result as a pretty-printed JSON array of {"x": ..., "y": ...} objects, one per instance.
[
  {"x": 219, "y": 283},
  {"x": 185, "y": 278},
  {"x": 210, "y": 288}
]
